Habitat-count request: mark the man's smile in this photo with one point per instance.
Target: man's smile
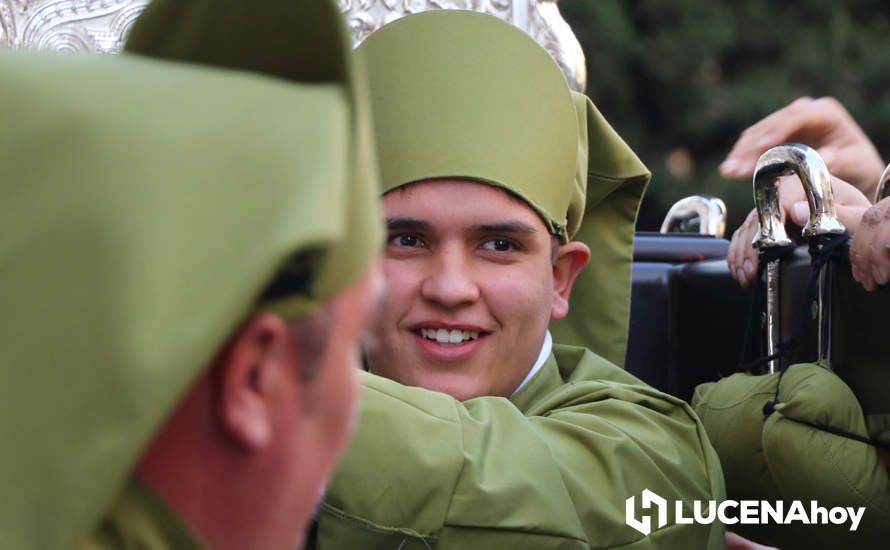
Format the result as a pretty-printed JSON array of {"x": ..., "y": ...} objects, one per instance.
[
  {"x": 436, "y": 351},
  {"x": 440, "y": 341},
  {"x": 446, "y": 337}
]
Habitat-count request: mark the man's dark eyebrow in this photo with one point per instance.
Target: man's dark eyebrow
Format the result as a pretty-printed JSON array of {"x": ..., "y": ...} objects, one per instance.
[
  {"x": 505, "y": 227},
  {"x": 410, "y": 224}
]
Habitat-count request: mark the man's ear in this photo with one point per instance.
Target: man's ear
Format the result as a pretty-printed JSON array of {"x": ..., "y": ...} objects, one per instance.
[
  {"x": 248, "y": 371},
  {"x": 569, "y": 260}
]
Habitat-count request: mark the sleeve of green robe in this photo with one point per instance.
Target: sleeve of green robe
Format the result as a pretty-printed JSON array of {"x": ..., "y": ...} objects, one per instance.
[{"x": 425, "y": 470}]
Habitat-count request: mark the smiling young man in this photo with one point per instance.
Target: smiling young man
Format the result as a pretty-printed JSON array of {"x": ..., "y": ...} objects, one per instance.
[
  {"x": 475, "y": 278},
  {"x": 477, "y": 431}
]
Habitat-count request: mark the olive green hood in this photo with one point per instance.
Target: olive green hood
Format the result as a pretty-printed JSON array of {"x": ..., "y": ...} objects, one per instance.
[
  {"x": 147, "y": 206},
  {"x": 460, "y": 94},
  {"x": 615, "y": 182},
  {"x": 302, "y": 41}
]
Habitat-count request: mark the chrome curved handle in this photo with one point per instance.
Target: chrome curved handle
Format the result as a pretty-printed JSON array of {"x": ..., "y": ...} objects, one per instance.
[
  {"x": 766, "y": 200},
  {"x": 710, "y": 211},
  {"x": 784, "y": 160},
  {"x": 776, "y": 162}
]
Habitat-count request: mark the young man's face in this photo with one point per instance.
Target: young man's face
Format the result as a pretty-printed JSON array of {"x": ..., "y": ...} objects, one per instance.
[{"x": 472, "y": 287}]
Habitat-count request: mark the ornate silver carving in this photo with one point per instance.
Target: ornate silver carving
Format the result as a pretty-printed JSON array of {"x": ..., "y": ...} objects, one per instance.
[
  {"x": 366, "y": 16},
  {"x": 102, "y": 25},
  {"x": 549, "y": 29},
  {"x": 68, "y": 25},
  {"x": 7, "y": 22}
]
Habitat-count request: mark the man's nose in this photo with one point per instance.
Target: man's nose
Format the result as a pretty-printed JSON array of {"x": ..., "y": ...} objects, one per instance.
[{"x": 451, "y": 281}]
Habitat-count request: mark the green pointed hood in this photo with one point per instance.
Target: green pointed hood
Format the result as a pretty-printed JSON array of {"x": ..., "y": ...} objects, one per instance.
[
  {"x": 460, "y": 94},
  {"x": 464, "y": 94},
  {"x": 147, "y": 206},
  {"x": 615, "y": 179},
  {"x": 301, "y": 41}
]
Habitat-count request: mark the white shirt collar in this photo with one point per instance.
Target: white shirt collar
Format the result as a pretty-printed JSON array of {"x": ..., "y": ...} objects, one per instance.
[{"x": 542, "y": 358}]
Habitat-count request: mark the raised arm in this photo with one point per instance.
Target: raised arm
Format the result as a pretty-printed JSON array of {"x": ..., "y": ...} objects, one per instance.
[{"x": 823, "y": 124}]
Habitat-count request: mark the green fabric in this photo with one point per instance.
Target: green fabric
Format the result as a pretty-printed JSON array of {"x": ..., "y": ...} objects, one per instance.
[
  {"x": 779, "y": 458},
  {"x": 550, "y": 468},
  {"x": 146, "y": 205},
  {"x": 465, "y": 95},
  {"x": 616, "y": 179},
  {"x": 295, "y": 40},
  {"x": 140, "y": 520}
]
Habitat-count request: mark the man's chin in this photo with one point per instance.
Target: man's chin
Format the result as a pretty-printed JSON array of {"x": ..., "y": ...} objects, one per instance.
[
  {"x": 459, "y": 378},
  {"x": 459, "y": 384},
  {"x": 461, "y": 394}
]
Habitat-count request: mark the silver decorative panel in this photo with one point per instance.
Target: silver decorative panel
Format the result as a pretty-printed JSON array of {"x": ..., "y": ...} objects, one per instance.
[
  {"x": 102, "y": 25},
  {"x": 68, "y": 25}
]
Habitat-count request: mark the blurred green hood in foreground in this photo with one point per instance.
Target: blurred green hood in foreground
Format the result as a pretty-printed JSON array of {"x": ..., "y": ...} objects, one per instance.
[{"x": 146, "y": 206}]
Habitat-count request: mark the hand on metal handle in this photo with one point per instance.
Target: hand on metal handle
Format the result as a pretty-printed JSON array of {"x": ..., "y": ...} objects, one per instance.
[
  {"x": 821, "y": 229},
  {"x": 805, "y": 162},
  {"x": 821, "y": 226}
]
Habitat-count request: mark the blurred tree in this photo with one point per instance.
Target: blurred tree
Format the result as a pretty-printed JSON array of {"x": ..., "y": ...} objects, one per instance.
[{"x": 680, "y": 80}]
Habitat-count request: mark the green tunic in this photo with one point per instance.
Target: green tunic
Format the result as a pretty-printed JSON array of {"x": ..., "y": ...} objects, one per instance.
[
  {"x": 549, "y": 468},
  {"x": 140, "y": 520}
]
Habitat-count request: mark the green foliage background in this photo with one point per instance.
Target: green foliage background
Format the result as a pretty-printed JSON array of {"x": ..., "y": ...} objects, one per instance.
[{"x": 682, "y": 79}]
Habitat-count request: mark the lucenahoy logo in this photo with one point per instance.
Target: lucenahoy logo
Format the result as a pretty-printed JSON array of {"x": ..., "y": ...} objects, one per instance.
[{"x": 730, "y": 512}]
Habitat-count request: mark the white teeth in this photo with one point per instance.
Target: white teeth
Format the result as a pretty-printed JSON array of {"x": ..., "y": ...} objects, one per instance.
[{"x": 445, "y": 336}]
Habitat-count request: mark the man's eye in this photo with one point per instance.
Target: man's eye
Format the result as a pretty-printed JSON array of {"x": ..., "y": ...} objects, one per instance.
[
  {"x": 499, "y": 245},
  {"x": 410, "y": 241}
]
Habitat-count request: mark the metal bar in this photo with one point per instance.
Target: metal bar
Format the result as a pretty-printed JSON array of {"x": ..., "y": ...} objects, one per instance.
[{"x": 773, "y": 321}]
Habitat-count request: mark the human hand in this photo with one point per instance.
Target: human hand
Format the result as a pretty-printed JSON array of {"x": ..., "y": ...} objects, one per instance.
[
  {"x": 850, "y": 205},
  {"x": 870, "y": 251},
  {"x": 823, "y": 124}
]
